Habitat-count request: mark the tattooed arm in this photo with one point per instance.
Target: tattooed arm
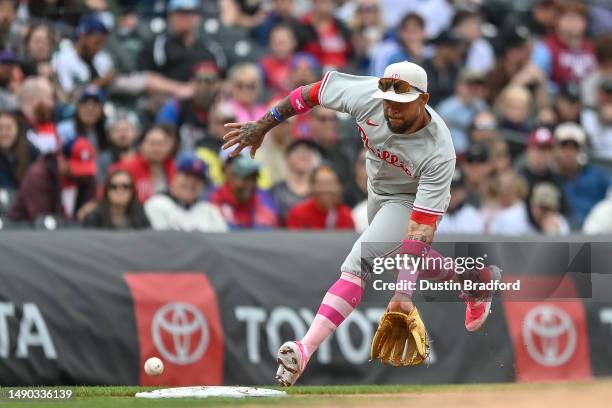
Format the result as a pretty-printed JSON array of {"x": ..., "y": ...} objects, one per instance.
[
  {"x": 420, "y": 232},
  {"x": 251, "y": 134}
]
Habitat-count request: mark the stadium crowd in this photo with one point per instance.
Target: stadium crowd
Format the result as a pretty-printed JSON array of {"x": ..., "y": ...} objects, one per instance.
[{"x": 112, "y": 111}]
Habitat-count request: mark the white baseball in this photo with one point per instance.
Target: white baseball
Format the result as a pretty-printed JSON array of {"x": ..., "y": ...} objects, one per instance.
[{"x": 153, "y": 366}]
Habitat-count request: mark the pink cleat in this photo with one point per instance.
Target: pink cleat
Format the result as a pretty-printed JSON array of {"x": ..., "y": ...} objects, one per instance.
[
  {"x": 291, "y": 359},
  {"x": 478, "y": 303}
]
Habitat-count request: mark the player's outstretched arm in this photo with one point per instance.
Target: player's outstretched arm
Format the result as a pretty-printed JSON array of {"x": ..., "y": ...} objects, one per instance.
[{"x": 245, "y": 134}]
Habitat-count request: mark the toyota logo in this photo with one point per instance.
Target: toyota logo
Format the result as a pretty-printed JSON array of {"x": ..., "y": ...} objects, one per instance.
[
  {"x": 549, "y": 335},
  {"x": 180, "y": 332}
]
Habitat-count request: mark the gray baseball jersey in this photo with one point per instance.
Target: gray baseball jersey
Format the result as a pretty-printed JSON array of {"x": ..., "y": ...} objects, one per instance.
[{"x": 417, "y": 168}]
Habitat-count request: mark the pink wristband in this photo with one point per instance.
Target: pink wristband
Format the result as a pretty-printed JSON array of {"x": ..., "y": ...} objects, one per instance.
[{"x": 297, "y": 101}]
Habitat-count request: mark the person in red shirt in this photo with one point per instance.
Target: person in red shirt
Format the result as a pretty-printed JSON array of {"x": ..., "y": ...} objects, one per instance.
[
  {"x": 329, "y": 38},
  {"x": 152, "y": 169},
  {"x": 242, "y": 205},
  {"x": 572, "y": 55},
  {"x": 276, "y": 65},
  {"x": 325, "y": 209}
]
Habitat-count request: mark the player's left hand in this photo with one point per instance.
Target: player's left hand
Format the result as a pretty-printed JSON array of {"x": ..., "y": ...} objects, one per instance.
[{"x": 400, "y": 339}]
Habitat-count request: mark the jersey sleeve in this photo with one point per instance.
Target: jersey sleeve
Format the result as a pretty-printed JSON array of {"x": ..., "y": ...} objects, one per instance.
[
  {"x": 433, "y": 192},
  {"x": 348, "y": 93}
]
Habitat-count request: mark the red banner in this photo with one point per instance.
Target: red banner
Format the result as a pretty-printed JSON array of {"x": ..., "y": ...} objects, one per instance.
[
  {"x": 178, "y": 321},
  {"x": 549, "y": 337}
]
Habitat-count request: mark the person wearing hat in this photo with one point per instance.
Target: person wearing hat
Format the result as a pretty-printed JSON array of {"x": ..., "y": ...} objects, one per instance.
[
  {"x": 8, "y": 63},
  {"x": 460, "y": 109},
  {"x": 190, "y": 115},
  {"x": 242, "y": 204},
  {"x": 60, "y": 182},
  {"x": 544, "y": 206},
  {"x": 461, "y": 217},
  {"x": 410, "y": 163},
  {"x": 175, "y": 52},
  {"x": 597, "y": 121},
  {"x": 84, "y": 61},
  {"x": 89, "y": 120},
  {"x": 182, "y": 208},
  {"x": 537, "y": 164},
  {"x": 583, "y": 184},
  {"x": 444, "y": 66},
  {"x": 476, "y": 167},
  {"x": 567, "y": 104}
]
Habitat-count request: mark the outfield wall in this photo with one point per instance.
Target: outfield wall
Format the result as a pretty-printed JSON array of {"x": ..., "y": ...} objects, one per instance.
[{"x": 80, "y": 307}]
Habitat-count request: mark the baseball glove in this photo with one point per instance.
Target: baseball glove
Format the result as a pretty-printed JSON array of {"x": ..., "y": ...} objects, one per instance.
[{"x": 400, "y": 339}]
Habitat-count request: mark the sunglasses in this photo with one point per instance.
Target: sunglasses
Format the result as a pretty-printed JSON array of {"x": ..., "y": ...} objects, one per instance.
[
  {"x": 571, "y": 143},
  {"x": 399, "y": 86},
  {"x": 246, "y": 85},
  {"x": 120, "y": 186}
]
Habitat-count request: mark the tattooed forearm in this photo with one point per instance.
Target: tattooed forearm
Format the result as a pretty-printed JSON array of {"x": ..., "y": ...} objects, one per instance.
[{"x": 420, "y": 232}]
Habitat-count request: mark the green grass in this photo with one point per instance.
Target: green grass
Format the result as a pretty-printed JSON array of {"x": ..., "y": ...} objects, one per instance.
[{"x": 301, "y": 396}]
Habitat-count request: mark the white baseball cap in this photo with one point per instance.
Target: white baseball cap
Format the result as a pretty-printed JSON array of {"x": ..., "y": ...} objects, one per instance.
[
  {"x": 570, "y": 131},
  {"x": 406, "y": 71}
]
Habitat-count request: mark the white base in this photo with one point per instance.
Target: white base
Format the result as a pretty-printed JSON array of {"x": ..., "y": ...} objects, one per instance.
[{"x": 213, "y": 391}]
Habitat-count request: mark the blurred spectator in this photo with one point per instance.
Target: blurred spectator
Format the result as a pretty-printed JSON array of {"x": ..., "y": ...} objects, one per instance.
[
  {"x": 66, "y": 12},
  {"x": 571, "y": 55},
  {"x": 174, "y": 53},
  {"x": 122, "y": 134},
  {"x": 411, "y": 41},
  {"x": 242, "y": 205},
  {"x": 598, "y": 121},
  {"x": 591, "y": 84},
  {"x": 599, "y": 220},
  {"x": 500, "y": 157},
  {"x": 89, "y": 120},
  {"x": 304, "y": 70},
  {"x": 512, "y": 217},
  {"x": 514, "y": 67},
  {"x": 483, "y": 128},
  {"x": 324, "y": 131},
  {"x": 128, "y": 38},
  {"x": 536, "y": 168},
  {"x": 356, "y": 190},
  {"x": 152, "y": 169},
  {"x": 567, "y": 103},
  {"x": 8, "y": 64},
  {"x": 583, "y": 184},
  {"x": 327, "y": 37},
  {"x": 325, "y": 209},
  {"x": 367, "y": 28},
  {"x": 39, "y": 46},
  {"x": 461, "y": 217},
  {"x": 11, "y": 37},
  {"x": 282, "y": 12},
  {"x": 181, "y": 207},
  {"x": 443, "y": 67},
  {"x": 119, "y": 208},
  {"x": 543, "y": 17},
  {"x": 272, "y": 152},
  {"x": 276, "y": 64},
  {"x": 190, "y": 115},
  {"x": 514, "y": 107},
  {"x": 85, "y": 61},
  {"x": 544, "y": 208},
  {"x": 301, "y": 157},
  {"x": 246, "y": 86},
  {"x": 16, "y": 152},
  {"x": 36, "y": 105},
  {"x": 208, "y": 149},
  {"x": 477, "y": 169},
  {"x": 436, "y": 13},
  {"x": 480, "y": 56},
  {"x": 459, "y": 110},
  {"x": 56, "y": 184}
]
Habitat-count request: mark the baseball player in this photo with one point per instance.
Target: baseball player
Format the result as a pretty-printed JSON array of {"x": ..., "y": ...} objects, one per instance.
[{"x": 410, "y": 164}]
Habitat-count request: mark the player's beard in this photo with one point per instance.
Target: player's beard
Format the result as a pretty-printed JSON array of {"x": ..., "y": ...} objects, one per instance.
[{"x": 398, "y": 129}]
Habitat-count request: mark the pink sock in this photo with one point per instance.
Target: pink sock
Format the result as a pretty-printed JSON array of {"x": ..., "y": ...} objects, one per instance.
[{"x": 338, "y": 303}]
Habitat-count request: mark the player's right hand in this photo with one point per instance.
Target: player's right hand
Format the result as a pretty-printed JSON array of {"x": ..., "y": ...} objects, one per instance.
[{"x": 244, "y": 134}]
